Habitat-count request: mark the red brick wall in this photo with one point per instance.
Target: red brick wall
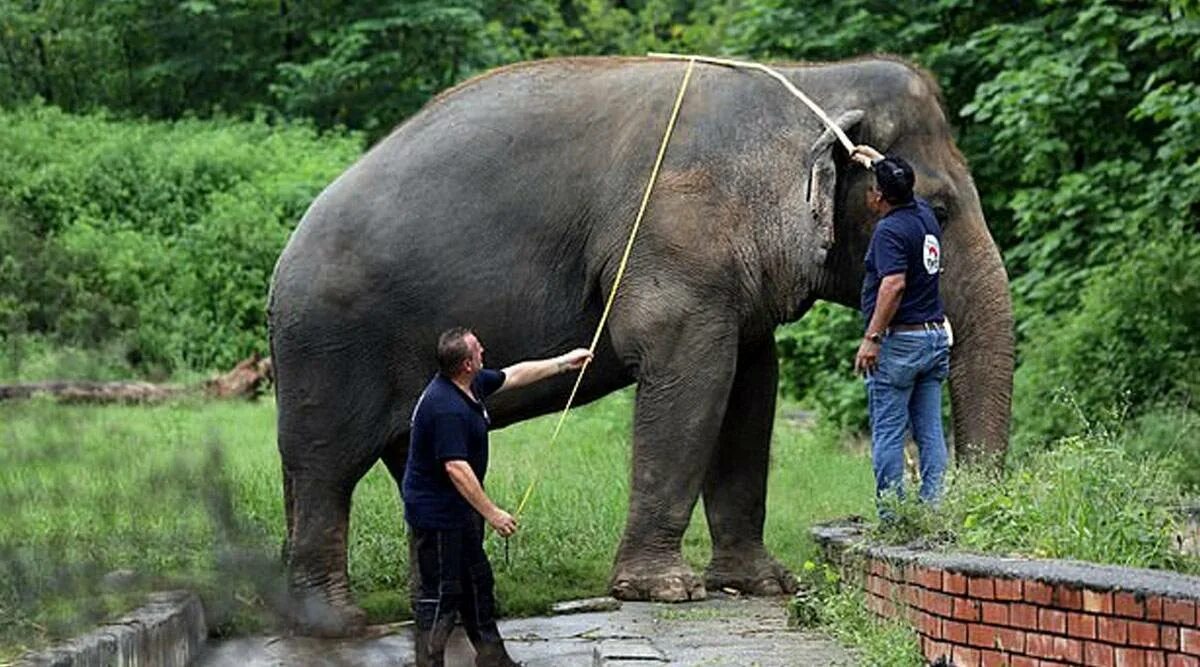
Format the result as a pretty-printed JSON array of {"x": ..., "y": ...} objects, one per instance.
[{"x": 1028, "y": 623}]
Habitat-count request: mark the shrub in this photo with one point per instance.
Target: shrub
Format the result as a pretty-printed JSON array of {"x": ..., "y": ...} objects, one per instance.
[
  {"x": 1131, "y": 344},
  {"x": 159, "y": 235},
  {"x": 816, "y": 364}
]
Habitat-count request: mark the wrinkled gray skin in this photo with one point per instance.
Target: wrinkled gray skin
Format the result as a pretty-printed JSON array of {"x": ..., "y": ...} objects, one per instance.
[{"x": 504, "y": 206}]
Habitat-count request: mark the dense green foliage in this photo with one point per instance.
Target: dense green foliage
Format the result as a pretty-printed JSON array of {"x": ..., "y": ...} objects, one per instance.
[{"x": 160, "y": 237}]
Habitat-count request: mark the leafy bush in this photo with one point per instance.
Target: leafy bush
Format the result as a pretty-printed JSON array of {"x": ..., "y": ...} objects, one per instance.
[
  {"x": 1131, "y": 344},
  {"x": 160, "y": 236},
  {"x": 816, "y": 358}
]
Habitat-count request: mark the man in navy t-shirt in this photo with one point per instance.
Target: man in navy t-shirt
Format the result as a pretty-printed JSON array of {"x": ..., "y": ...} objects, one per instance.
[
  {"x": 905, "y": 350},
  {"x": 444, "y": 501}
]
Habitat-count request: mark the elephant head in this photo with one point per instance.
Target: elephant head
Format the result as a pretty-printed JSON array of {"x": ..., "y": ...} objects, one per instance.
[{"x": 897, "y": 108}]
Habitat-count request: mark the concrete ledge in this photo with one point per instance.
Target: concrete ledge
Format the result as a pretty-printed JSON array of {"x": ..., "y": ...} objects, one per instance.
[
  {"x": 973, "y": 610},
  {"x": 169, "y": 631}
]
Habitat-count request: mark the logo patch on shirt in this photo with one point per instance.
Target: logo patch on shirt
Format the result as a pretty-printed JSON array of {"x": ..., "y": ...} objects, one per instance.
[{"x": 933, "y": 254}]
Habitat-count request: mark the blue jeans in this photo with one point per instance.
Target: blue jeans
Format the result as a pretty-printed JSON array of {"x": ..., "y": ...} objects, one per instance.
[{"x": 906, "y": 390}]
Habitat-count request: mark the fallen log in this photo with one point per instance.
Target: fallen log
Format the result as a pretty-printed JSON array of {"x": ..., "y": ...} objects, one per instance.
[{"x": 246, "y": 381}]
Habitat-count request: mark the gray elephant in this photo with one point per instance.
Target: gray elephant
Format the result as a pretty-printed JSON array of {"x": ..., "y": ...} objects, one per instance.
[{"x": 504, "y": 205}]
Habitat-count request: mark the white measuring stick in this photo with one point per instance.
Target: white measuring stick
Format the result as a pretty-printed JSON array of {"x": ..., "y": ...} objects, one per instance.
[{"x": 833, "y": 127}]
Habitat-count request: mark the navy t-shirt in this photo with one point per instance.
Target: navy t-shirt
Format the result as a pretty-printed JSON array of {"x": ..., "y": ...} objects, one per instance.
[
  {"x": 907, "y": 240},
  {"x": 446, "y": 424}
]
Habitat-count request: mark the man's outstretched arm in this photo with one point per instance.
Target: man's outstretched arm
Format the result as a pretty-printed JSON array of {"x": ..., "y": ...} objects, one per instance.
[{"x": 528, "y": 372}]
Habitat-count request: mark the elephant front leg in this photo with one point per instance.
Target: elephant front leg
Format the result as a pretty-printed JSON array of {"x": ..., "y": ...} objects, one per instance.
[
  {"x": 681, "y": 398},
  {"x": 735, "y": 489}
]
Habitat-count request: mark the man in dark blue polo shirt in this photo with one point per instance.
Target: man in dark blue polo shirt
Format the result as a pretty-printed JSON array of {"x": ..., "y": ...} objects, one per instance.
[
  {"x": 905, "y": 351},
  {"x": 444, "y": 501}
]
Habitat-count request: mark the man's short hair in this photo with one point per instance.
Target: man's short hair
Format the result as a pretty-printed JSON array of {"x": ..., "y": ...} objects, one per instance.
[
  {"x": 452, "y": 349},
  {"x": 895, "y": 179}
]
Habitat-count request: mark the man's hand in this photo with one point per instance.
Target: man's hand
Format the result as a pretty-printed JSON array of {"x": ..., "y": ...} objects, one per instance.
[
  {"x": 574, "y": 359},
  {"x": 867, "y": 359},
  {"x": 865, "y": 155},
  {"x": 503, "y": 522}
]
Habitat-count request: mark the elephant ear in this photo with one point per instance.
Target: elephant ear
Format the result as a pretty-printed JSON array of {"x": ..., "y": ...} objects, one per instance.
[{"x": 822, "y": 178}]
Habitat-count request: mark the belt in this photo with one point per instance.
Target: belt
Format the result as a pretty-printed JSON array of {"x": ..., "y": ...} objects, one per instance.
[{"x": 920, "y": 326}]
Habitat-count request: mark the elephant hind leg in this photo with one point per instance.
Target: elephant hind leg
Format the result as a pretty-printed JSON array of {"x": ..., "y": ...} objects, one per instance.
[
  {"x": 735, "y": 488},
  {"x": 321, "y": 603}
]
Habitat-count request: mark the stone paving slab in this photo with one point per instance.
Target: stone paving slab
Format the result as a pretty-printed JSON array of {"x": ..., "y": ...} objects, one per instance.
[{"x": 715, "y": 632}]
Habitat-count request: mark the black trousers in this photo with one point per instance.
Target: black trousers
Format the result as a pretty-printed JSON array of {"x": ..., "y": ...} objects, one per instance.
[{"x": 455, "y": 578}]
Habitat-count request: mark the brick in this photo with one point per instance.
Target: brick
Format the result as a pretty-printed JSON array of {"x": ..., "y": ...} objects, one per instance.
[
  {"x": 1156, "y": 659},
  {"x": 993, "y": 659},
  {"x": 966, "y": 610},
  {"x": 1038, "y": 593},
  {"x": 912, "y": 595},
  {"x": 954, "y": 632},
  {"x": 1169, "y": 637},
  {"x": 1039, "y": 645},
  {"x": 937, "y": 603},
  {"x": 1098, "y": 602},
  {"x": 1182, "y": 612},
  {"x": 1008, "y": 589},
  {"x": 1113, "y": 630},
  {"x": 981, "y": 587},
  {"x": 994, "y": 613},
  {"x": 954, "y": 583},
  {"x": 1070, "y": 650},
  {"x": 1082, "y": 626},
  {"x": 1008, "y": 639},
  {"x": 929, "y": 578},
  {"x": 1143, "y": 634},
  {"x": 936, "y": 650},
  {"x": 1154, "y": 608},
  {"x": 1023, "y": 616},
  {"x": 965, "y": 657},
  {"x": 929, "y": 625},
  {"x": 877, "y": 568},
  {"x": 1068, "y": 597},
  {"x": 1099, "y": 655},
  {"x": 1182, "y": 661},
  {"x": 1022, "y": 661},
  {"x": 983, "y": 636},
  {"x": 1052, "y": 620},
  {"x": 1131, "y": 657},
  {"x": 1189, "y": 641},
  {"x": 1128, "y": 604}
]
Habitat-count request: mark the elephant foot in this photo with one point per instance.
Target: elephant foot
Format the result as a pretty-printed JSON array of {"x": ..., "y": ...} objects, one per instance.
[
  {"x": 756, "y": 573},
  {"x": 662, "y": 581},
  {"x": 314, "y": 615}
]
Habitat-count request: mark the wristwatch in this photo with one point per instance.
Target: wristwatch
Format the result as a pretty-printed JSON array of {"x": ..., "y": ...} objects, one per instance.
[{"x": 875, "y": 337}]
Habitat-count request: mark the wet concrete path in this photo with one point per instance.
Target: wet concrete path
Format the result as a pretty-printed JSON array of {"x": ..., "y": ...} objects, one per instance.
[{"x": 718, "y": 631}]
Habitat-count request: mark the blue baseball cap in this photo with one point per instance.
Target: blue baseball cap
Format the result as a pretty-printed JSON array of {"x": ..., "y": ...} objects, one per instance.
[{"x": 895, "y": 179}]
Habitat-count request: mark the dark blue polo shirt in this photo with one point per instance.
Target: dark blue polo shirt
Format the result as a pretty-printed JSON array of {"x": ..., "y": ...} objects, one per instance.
[
  {"x": 446, "y": 424},
  {"x": 907, "y": 240}
]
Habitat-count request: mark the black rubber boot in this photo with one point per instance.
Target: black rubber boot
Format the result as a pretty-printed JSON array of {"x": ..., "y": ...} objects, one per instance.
[{"x": 493, "y": 654}]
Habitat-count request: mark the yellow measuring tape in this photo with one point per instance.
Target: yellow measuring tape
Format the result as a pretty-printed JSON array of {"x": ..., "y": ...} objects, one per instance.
[{"x": 612, "y": 294}]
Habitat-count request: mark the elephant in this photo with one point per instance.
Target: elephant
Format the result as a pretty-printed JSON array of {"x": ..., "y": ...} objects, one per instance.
[{"x": 504, "y": 205}]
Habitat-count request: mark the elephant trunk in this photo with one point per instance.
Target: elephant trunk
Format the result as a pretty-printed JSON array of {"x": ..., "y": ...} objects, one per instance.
[{"x": 978, "y": 303}]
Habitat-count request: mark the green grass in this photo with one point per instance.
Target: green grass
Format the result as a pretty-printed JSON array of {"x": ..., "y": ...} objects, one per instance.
[{"x": 190, "y": 494}]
